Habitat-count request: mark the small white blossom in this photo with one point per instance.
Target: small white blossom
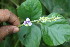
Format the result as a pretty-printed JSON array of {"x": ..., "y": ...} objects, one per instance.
[
  {"x": 27, "y": 19},
  {"x": 27, "y": 22}
]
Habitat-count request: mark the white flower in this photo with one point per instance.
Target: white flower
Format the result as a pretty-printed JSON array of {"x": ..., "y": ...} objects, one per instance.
[
  {"x": 27, "y": 22},
  {"x": 27, "y": 19}
]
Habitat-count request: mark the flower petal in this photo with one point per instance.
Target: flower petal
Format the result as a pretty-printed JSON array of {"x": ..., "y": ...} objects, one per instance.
[
  {"x": 27, "y": 19},
  {"x": 29, "y": 23}
]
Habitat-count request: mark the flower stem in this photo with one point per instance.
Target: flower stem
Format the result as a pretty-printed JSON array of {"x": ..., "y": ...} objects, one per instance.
[{"x": 20, "y": 25}]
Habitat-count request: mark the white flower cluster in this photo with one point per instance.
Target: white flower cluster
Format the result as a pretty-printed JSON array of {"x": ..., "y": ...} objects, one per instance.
[
  {"x": 41, "y": 19},
  {"x": 45, "y": 19}
]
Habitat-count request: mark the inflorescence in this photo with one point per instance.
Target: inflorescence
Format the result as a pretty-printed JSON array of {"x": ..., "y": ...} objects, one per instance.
[{"x": 40, "y": 20}]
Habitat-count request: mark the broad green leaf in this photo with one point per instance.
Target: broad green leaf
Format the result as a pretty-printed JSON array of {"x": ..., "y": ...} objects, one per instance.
[
  {"x": 59, "y": 6},
  {"x": 32, "y": 36},
  {"x": 31, "y": 9},
  {"x": 23, "y": 31},
  {"x": 56, "y": 32}
]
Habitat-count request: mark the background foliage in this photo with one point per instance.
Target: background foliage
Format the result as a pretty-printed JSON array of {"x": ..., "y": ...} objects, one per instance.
[{"x": 48, "y": 6}]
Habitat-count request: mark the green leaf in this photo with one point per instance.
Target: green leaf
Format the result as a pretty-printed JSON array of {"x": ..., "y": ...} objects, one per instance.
[
  {"x": 23, "y": 31},
  {"x": 58, "y": 6},
  {"x": 31, "y": 9},
  {"x": 32, "y": 37},
  {"x": 56, "y": 32}
]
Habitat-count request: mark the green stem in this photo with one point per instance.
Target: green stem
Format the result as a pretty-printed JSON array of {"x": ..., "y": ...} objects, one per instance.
[
  {"x": 16, "y": 43},
  {"x": 14, "y": 3},
  {"x": 20, "y": 25}
]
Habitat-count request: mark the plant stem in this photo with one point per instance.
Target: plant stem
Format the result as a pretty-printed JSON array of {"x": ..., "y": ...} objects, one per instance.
[
  {"x": 20, "y": 25},
  {"x": 14, "y": 3},
  {"x": 16, "y": 43}
]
